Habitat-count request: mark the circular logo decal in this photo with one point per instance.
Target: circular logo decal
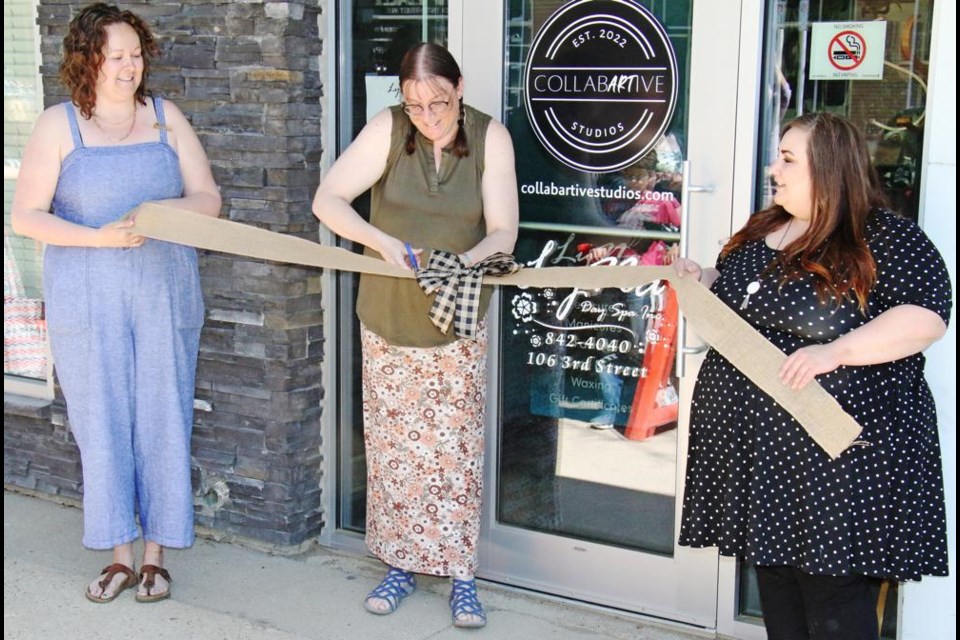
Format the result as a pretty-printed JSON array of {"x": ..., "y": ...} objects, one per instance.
[{"x": 601, "y": 84}]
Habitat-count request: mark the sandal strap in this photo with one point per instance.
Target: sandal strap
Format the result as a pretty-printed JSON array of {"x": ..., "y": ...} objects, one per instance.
[
  {"x": 151, "y": 571},
  {"x": 108, "y": 574},
  {"x": 464, "y": 599},
  {"x": 397, "y": 584}
]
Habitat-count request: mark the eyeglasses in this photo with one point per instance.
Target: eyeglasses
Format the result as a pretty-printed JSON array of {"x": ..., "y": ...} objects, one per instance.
[{"x": 436, "y": 108}]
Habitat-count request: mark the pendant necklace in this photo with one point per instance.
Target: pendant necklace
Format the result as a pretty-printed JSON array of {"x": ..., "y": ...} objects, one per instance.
[
  {"x": 133, "y": 123},
  {"x": 754, "y": 286}
]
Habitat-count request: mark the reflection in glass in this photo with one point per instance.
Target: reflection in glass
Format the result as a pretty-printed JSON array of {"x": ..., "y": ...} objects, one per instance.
[
  {"x": 588, "y": 441},
  {"x": 890, "y": 111},
  {"x": 24, "y": 327},
  {"x": 373, "y": 38}
]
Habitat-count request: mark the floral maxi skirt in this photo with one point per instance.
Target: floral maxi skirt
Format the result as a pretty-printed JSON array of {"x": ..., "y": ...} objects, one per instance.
[{"x": 423, "y": 413}]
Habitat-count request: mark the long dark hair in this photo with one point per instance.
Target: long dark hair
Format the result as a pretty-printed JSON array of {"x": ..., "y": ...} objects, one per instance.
[
  {"x": 83, "y": 52},
  {"x": 845, "y": 191},
  {"x": 425, "y": 62}
]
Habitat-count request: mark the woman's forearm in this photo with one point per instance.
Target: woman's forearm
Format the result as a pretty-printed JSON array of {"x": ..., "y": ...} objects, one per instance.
[
  {"x": 499, "y": 241},
  {"x": 203, "y": 202},
  {"x": 897, "y": 333},
  {"x": 49, "y": 229},
  {"x": 709, "y": 276},
  {"x": 340, "y": 217}
]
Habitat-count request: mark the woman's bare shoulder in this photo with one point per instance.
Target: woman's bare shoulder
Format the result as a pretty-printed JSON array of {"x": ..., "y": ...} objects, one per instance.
[
  {"x": 498, "y": 141},
  {"x": 51, "y": 131},
  {"x": 54, "y": 121}
]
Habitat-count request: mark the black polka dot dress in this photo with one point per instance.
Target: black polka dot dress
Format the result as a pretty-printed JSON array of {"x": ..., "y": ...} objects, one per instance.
[{"x": 758, "y": 486}]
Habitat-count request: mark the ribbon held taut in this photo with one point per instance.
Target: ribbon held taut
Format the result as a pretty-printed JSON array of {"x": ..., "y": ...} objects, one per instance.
[{"x": 818, "y": 413}]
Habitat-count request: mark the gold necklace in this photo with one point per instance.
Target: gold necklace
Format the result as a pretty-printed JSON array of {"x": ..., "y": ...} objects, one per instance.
[
  {"x": 133, "y": 124},
  {"x": 754, "y": 286}
]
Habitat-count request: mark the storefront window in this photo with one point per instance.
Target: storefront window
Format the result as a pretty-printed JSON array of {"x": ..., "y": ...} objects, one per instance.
[
  {"x": 889, "y": 111},
  {"x": 24, "y": 331},
  {"x": 372, "y": 38}
]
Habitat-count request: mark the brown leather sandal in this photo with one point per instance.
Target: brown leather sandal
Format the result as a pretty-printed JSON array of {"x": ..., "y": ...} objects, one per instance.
[
  {"x": 108, "y": 573},
  {"x": 150, "y": 571}
]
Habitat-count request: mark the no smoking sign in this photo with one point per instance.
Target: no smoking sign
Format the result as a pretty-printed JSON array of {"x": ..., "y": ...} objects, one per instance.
[{"x": 847, "y": 51}]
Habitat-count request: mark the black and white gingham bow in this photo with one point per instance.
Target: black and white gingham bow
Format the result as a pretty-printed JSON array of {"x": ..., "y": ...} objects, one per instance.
[{"x": 458, "y": 289}]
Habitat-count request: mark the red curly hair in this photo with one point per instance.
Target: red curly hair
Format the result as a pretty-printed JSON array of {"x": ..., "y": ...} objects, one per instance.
[{"x": 83, "y": 52}]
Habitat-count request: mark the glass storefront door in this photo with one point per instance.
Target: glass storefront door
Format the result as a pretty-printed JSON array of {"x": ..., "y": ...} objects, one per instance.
[
  {"x": 588, "y": 513},
  {"x": 585, "y": 456},
  {"x": 588, "y": 447}
]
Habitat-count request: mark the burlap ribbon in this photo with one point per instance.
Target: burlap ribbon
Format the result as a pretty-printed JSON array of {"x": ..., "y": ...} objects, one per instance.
[
  {"x": 458, "y": 289},
  {"x": 818, "y": 412}
]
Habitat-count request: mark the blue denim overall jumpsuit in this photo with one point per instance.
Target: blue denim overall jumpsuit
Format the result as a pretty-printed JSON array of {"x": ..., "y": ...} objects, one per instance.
[{"x": 124, "y": 328}]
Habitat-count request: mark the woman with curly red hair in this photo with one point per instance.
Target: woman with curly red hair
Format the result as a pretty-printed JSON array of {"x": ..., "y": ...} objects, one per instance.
[{"x": 124, "y": 313}]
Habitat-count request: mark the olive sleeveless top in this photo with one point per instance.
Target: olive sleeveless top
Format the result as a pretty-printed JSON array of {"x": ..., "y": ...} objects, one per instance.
[{"x": 430, "y": 209}]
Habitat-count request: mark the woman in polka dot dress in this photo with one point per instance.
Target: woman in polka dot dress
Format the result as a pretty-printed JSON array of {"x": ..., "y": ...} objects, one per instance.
[{"x": 853, "y": 294}]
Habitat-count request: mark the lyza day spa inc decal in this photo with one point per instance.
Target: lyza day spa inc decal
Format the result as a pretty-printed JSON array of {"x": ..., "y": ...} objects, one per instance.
[{"x": 588, "y": 354}]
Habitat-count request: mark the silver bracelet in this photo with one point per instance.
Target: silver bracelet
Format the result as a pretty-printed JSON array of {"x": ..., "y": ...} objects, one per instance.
[{"x": 466, "y": 259}]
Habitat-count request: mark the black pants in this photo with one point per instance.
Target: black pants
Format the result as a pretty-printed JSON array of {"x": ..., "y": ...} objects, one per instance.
[{"x": 803, "y": 606}]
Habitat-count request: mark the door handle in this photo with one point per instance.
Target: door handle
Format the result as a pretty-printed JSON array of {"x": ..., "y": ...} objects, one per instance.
[
  {"x": 685, "y": 191},
  {"x": 690, "y": 351}
]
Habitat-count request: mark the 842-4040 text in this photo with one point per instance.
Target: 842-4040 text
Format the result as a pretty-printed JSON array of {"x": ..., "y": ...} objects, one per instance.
[{"x": 608, "y": 345}]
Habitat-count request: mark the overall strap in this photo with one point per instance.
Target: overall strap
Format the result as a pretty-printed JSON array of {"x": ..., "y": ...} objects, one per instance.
[
  {"x": 74, "y": 127},
  {"x": 158, "y": 109}
]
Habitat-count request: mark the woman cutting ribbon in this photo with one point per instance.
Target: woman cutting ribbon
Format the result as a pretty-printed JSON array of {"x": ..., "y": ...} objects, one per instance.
[{"x": 442, "y": 177}]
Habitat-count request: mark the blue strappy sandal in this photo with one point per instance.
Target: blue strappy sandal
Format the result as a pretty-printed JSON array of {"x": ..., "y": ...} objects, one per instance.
[
  {"x": 464, "y": 605},
  {"x": 396, "y": 586}
]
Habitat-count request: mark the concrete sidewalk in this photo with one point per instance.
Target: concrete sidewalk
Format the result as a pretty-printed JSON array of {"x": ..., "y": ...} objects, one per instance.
[{"x": 224, "y": 591}]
